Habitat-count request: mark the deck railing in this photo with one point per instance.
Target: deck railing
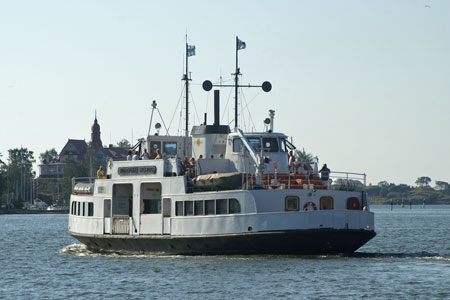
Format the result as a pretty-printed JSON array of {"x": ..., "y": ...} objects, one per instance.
[{"x": 76, "y": 180}]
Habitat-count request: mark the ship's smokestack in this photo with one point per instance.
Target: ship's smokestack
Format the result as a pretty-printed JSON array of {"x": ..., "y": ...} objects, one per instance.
[{"x": 216, "y": 107}]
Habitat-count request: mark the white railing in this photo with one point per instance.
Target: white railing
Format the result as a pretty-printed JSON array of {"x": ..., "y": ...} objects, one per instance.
[{"x": 349, "y": 179}]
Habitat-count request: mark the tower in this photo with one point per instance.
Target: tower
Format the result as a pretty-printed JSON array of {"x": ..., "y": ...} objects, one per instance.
[{"x": 95, "y": 134}]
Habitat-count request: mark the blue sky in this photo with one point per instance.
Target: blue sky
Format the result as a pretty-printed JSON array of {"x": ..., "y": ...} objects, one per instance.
[{"x": 364, "y": 85}]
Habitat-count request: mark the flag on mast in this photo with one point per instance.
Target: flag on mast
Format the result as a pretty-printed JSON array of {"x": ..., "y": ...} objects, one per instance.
[
  {"x": 190, "y": 50},
  {"x": 240, "y": 44}
]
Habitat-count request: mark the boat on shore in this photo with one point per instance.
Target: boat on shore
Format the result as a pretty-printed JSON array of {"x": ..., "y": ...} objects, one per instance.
[{"x": 240, "y": 197}]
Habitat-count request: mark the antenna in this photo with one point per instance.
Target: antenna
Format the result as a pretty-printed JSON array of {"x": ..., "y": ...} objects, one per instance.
[{"x": 208, "y": 85}]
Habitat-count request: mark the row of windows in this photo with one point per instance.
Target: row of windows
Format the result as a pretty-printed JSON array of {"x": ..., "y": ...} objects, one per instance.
[
  {"x": 207, "y": 207},
  {"x": 82, "y": 209}
]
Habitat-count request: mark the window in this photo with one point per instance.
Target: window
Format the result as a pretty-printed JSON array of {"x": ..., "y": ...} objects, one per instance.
[
  {"x": 270, "y": 144},
  {"x": 72, "y": 209},
  {"x": 84, "y": 209},
  {"x": 292, "y": 203},
  {"x": 188, "y": 208},
  {"x": 170, "y": 148},
  {"x": 79, "y": 208},
  {"x": 179, "y": 208},
  {"x": 221, "y": 206},
  {"x": 237, "y": 145},
  {"x": 256, "y": 143},
  {"x": 234, "y": 206},
  {"x": 198, "y": 208},
  {"x": 152, "y": 206},
  {"x": 90, "y": 209},
  {"x": 210, "y": 207},
  {"x": 326, "y": 202}
]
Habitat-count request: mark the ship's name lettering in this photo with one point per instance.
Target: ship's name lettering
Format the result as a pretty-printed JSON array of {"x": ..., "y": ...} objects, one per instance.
[{"x": 130, "y": 171}]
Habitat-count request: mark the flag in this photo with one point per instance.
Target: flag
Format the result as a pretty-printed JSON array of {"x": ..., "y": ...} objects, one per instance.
[
  {"x": 240, "y": 44},
  {"x": 190, "y": 50}
]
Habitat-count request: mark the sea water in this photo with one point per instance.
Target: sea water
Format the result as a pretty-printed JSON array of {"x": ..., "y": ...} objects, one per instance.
[{"x": 408, "y": 259}]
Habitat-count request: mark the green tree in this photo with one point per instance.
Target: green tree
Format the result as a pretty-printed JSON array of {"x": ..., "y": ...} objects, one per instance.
[
  {"x": 3, "y": 178},
  {"x": 442, "y": 185},
  {"x": 124, "y": 143},
  {"x": 49, "y": 156},
  {"x": 303, "y": 156},
  {"x": 423, "y": 181},
  {"x": 20, "y": 165}
]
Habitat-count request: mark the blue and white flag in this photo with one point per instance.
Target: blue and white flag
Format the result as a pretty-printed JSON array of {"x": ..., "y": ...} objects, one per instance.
[
  {"x": 240, "y": 44},
  {"x": 190, "y": 50}
]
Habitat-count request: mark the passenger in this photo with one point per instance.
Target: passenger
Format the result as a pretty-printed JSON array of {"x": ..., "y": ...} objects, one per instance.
[
  {"x": 191, "y": 167},
  {"x": 101, "y": 173},
  {"x": 130, "y": 155},
  {"x": 136, "y": 155},
  {"x": 158, "y": 154},
  {"x": 184, "y": 166},
  {"x": 221, "y": 155},
  {"x": 291, "y": 161},
  {"x": 212, "y": 156},
  {"x": 200, "y": 157},
  {"x": 324, "y": 173},
  {"x": 146, "y": 155}
]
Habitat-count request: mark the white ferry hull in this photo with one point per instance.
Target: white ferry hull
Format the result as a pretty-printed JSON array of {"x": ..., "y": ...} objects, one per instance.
[{"x": 293, "y": 242}]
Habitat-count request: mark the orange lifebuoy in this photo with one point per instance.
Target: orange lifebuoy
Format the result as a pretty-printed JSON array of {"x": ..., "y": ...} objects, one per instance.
[
  {"x": 308, "y": 204},
  {"x": 301, "y": 168}
]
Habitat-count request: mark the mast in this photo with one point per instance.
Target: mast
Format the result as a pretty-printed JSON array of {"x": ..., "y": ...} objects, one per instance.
[
  {"x": 236, "y": 86},
  {"x": 190, "y": 51}
]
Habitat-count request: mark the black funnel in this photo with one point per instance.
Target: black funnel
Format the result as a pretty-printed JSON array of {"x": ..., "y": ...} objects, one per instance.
[{"x": 216, "y": 107}]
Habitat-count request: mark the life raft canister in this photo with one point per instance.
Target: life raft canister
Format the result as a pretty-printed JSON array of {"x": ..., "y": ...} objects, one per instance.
[
  {"x": 301, "y": 168},
  {"x": 308, "y": 204},
  {"x": 353, "y": 203}
]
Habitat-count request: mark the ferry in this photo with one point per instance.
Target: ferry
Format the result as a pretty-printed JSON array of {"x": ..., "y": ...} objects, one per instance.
[{"x": 239, "y": 195}]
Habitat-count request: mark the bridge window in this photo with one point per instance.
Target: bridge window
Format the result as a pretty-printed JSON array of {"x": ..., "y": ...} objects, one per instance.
[
  {"x": 256, "y": 143},
  {"x": 170, "y": 148},
  {"x": 237, "y": 145},
  {"x": 270, "y": 144},
  {"x": 292, "y": 203}
]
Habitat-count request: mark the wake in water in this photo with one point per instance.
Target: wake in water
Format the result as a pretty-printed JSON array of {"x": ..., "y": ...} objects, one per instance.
[
  {"x": 82, "y": 250},
  {"x": 417, "y": 255}
]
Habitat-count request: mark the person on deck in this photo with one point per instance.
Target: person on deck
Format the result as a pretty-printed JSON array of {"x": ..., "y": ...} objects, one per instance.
[
  {"x": 291, "y": 161},
  {"x": 324, "y": 173},
  {"x": 158, "y": 154},
  {"x": 136, "y": 155},
  {"x": 101, "y": 174},
  {"x": 130, "y": 155},
  {"x": 146, "y": 155}
]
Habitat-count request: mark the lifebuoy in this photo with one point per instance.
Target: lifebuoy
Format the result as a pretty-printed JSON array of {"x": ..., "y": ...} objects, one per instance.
[
  {"x": 308, "y": 204},
  {"x": 301, "y": 168}
]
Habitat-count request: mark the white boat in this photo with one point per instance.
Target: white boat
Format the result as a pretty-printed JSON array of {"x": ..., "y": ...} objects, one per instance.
[{"x": 247, "y": 202}]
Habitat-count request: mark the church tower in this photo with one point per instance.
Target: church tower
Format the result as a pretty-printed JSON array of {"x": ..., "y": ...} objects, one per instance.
[{"x": 95, "y": 134}]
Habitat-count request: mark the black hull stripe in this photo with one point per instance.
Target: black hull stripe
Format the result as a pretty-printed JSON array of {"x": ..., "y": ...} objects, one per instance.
[{"x": 297, "y": 242}]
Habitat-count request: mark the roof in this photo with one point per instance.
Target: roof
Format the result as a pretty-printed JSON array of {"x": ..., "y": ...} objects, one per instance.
[
  {"x": 79, "y": 145},
  {"x": 116, "y": 153}
]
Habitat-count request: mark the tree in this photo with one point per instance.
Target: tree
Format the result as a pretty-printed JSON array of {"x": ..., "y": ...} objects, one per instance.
[
  {"x": 3, "y": 178},
  {"x": 442, "y": 185},
  {"x": 124, "y": 143},
  {"x": 302, "y": 156},
  {"x": 423, "y": 181},
  {"x": 21, "y": 172},
  {"x": 49, "y": 156}
]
